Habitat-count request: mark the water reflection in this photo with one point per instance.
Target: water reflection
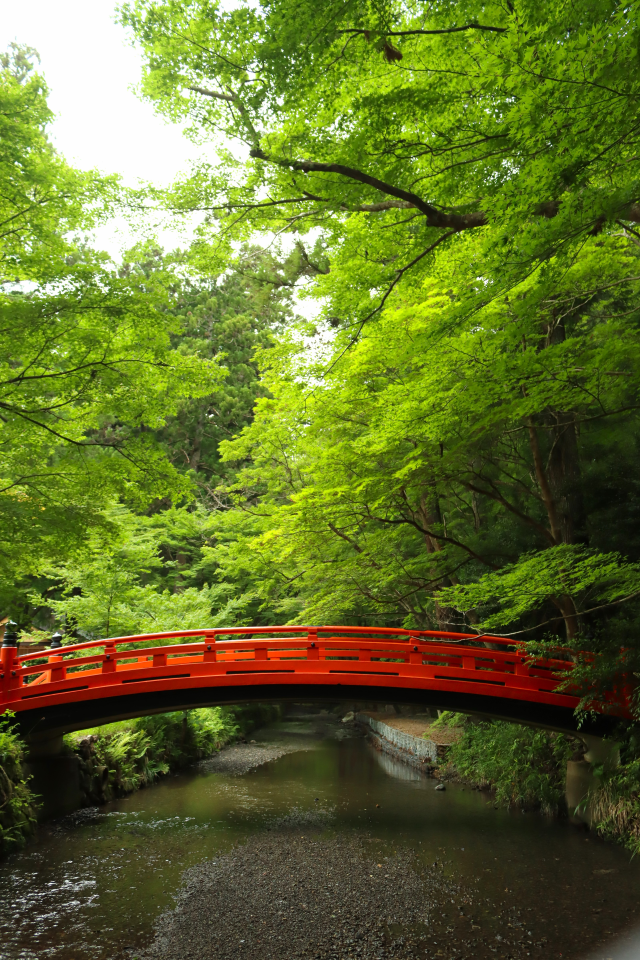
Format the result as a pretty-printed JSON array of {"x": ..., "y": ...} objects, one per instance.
[{"x": 92, "y": 886}]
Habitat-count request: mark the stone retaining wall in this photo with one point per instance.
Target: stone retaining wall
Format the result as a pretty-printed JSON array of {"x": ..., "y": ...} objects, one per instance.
[{"x": 415, "y": 746}]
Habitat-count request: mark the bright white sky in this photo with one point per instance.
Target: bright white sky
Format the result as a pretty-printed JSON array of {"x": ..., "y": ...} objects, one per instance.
[{"x": 90, "y": 69}]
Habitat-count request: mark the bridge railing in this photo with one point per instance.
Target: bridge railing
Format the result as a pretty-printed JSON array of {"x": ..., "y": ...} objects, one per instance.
[{"x": 444, "y": 660}]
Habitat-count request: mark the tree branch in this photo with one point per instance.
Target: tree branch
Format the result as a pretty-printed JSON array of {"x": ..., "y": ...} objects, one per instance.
[
  {"x": 230, "y": 97},
  {"x": 435, "y": 217},
  {"x": 411, "y": 33},
  {"x": 509, "y": 506},
  {"x": 436, "y": 536}
]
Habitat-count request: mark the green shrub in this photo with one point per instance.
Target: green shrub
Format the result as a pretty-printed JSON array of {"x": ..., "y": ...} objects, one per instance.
[
  {"x": 615, "y": 805},
  {"x": 18, "y": 805},
  {"x": 121, "y": 757},
  {"x": 526, "y": 767},
  {"x": 124, "y": 756}
]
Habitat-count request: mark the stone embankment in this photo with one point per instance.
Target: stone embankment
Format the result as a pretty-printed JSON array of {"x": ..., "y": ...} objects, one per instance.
[{"x": 413, "y": 740}]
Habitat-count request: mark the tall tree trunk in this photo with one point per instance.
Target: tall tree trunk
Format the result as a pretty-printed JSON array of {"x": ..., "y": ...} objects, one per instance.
[
  {"x": 447, "y": 618},
  {"x": 560, "y": 481},
  {"x": 565, "y": 477}
]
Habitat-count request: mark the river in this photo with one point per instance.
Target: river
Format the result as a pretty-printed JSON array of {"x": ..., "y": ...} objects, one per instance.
[{"x": 502, "y": 884}]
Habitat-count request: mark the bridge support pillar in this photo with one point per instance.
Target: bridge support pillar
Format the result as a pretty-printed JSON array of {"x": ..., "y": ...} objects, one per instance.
[
  {"x": 55, "y": 776},
  {"x": 582, "y": 778},
  {"x": 578, "y": 784},
  {"x": 601, "y": 752}
]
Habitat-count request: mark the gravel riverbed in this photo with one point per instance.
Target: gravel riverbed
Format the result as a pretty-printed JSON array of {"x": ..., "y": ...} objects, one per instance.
[
  {"x": 242, "y": 757},
  {"x": 310, "y": 886},
  {"x": 300, "y": 892}
]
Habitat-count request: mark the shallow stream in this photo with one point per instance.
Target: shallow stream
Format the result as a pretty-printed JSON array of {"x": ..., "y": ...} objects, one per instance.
[{"x": 94, "y": 884}]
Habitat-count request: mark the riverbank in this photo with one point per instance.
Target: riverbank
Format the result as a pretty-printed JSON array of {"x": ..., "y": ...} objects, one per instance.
[
  {"x": 417, "y": 740},
  {"x": 104, "y": 763},
  {"x": 122, "y": 757},
  {"x": 18, "y": 804},
  {"x": 522, "y": 768}
]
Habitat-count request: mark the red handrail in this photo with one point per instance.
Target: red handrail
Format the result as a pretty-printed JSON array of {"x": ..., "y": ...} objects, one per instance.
[{"x": 301, "y": 655}]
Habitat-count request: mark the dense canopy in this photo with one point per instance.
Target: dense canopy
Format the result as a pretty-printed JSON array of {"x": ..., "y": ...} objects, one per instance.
[{"x": 453, "y": 191}]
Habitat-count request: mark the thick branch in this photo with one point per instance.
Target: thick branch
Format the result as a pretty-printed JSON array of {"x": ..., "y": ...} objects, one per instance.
[
  {"x": 543, "y": 483},
  {"x": 495, "y": 495},
  {"x": 407, "y": 521},
  {"x": 344, "y": 536},
  {"x": 379, "y": 207},
  {"x": 213, "y": 93},
  {"x": 238, "y": 104},
  {"x": 435, "y": 217},
  {"x": 411, "y": 33}
]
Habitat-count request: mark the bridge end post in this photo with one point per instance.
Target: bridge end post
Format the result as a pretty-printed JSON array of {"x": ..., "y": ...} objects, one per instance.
[{"x": 8, "y": 656}]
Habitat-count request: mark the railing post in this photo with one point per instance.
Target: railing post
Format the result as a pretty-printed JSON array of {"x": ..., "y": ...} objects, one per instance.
[
  {"x": 8, "y": 658},
  {"x": 58, "y": 672},
  {"x": 415, "y": 654},
  {"x": 312, "y": 645},
  {"x": 209, "y": 655},
  {"x": 109, "y": 662}
]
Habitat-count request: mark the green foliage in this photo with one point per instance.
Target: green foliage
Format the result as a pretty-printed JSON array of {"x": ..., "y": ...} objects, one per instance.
[
  {"x": 526, "y": 767},
  {"x": 226, "y": 320},
  {"x": 87, "y": 367},
  {"x": 455, "y": 440},
  {"x": 615, "y": 806},
  {"x": 118, "y": 586},
  {"x": 135, "y": 752},
  {"x": 17, "y": 804},
  {"x": 591, "y": 578},
  {"x": 392, "y": 127},
  {"x": 409, "y": 467}
]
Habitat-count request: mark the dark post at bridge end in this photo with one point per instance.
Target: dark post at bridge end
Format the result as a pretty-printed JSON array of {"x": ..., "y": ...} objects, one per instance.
[
  {"x": 10, "y": 638},
  {"x": 56, "y": 641},
  {"x": 8, "y": 657}
]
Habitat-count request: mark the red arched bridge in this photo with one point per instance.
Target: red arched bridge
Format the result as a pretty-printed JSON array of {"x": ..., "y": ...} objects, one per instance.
[{"x": 83, "y": 684}]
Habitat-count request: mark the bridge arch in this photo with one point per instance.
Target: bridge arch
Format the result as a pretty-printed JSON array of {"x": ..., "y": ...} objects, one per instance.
[{"x": 76, "y": 686}]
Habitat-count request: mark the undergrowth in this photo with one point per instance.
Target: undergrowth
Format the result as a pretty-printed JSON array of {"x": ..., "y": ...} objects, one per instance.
[
  {"x": 18, "y": 806},
  {"x": 525, "y": 767},
  {"x": 614, "y": 804}
]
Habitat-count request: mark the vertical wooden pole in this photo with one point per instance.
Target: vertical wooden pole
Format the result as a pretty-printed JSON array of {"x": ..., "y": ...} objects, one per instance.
[{"x": 8, "y": 658}]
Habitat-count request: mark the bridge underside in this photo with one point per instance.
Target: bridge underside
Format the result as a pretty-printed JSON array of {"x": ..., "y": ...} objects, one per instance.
[{"x": 48, "y": 721}]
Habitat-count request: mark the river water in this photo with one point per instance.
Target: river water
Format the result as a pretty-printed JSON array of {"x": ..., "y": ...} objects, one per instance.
[{"x": 94, "y": 884}]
